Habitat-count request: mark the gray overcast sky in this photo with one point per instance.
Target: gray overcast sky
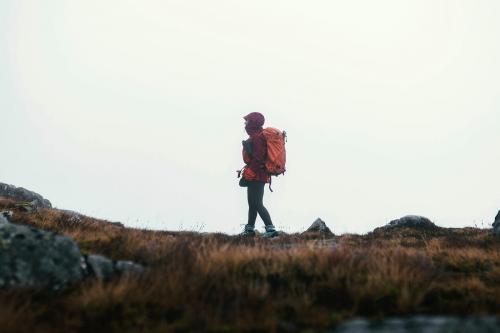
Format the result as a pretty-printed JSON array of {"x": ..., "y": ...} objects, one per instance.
[{"x": 132, "y": 110}]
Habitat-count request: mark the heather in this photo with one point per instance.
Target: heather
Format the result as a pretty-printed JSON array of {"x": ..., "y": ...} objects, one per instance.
[{"x": 221, "y": 283}]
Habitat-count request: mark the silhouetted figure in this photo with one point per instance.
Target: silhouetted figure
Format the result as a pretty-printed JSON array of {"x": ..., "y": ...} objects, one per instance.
[{"x": 255, "y": 176}]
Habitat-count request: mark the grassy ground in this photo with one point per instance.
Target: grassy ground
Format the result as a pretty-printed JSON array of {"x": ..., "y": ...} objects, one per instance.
[{"x": 220, "y": 283}]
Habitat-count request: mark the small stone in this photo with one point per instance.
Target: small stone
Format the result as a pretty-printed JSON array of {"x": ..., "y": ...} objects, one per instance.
[
  {"x": 117, "y": 224},
  {"x": 106, "y": 269},
  {"x": 123, "y": 267},
  {"x": 100, "y": 267},
  {"x": 496, "y": 224},
  {"x": 3, "y": 220},
  {"x": 7, "y": 214},
  {"x": 319, "y": 226}
]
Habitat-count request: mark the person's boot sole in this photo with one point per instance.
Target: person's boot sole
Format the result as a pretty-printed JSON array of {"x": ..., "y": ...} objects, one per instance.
[
  {"x": 247, "y": 235},
  {"x": 275, "y": 234}
]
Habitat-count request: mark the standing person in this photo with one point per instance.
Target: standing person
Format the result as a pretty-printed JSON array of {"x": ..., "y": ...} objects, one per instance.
[{"x": 255, "y": 176}]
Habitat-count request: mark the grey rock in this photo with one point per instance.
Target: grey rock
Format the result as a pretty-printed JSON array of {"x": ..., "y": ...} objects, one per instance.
[
  {"x": 8, "y": 215},
  {"x": 496, "y": 224},
  {"x": 22, "y": 194},
  {"x": 72, "y": 215},
  {"x": 33, "y": 258},
  {"x": 430, "y": 324},
  {"x": 117, "y": 224},
  {"x": 3, "y": 220},
  {"x": 30, "y": 257},
  {"x": 410, "y": 221},
  {"x": 106, "y": 269},
  {"x": 100, "y": 267},
  {"x": 123, "y": 267},
  {"x": 319, "y": 226}
]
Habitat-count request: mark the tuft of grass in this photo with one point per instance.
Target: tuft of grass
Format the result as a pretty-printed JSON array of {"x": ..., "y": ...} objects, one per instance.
[{"x": 221, "y": 283}]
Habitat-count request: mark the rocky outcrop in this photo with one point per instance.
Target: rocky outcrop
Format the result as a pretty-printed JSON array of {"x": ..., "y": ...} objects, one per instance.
[
  {"x": 24, "y": 195},
  {"x": 319, "y": 226},
  {"x": 33, "y": 258},
  {"x": 496, "y": 224},
  {"x": 30, "y": 257},
  {"x": 410, "y": 221}
]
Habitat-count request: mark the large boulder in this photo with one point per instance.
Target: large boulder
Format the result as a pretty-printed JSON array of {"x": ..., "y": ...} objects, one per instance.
[
  {"x": 410, "y": 221},
  {"x": 319, "y": 226},
  {"x": 33, "y": 258},
  {"x": 496, "y": 224},
  {"x": 22, "y": 194}
]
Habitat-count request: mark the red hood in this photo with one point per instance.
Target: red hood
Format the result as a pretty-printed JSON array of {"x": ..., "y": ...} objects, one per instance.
[{"x": 255, "y": 121}]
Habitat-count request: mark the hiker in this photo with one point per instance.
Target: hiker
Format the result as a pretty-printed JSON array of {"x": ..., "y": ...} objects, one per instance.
[{"x": 255, "y": 176}]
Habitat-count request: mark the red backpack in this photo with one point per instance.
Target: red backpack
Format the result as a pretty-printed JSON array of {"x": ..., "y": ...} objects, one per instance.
[{"x": 276, "y": 151}]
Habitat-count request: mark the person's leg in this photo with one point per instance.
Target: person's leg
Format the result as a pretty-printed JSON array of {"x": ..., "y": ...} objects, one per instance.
[
  {"x": 259, "y": 203},
  {"x": 264, "y": 214},
  {"x": 252, "y": 204},
  {"x": 256, "y": 205}
]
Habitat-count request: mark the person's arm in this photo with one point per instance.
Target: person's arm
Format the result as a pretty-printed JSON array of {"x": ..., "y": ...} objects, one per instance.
[
  {"x": 259, "y": 151},
  {"x": 247, "y": 145},
  {"x": 247, "y": 151}
]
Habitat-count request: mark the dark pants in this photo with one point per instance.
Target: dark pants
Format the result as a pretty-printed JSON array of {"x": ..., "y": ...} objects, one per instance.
[{"x": 255, "y": 203}]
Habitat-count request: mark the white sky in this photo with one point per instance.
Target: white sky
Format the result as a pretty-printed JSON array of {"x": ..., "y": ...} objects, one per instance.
[{"x": 132, "y": 110}]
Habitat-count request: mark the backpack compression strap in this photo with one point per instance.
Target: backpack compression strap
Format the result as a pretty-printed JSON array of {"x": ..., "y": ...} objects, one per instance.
[{"x": 241, "y": 171}]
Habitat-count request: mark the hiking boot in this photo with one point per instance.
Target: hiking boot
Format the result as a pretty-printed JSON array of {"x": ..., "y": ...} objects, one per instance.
[
  {"x": 270, "y": 232},
  {"x": 249, "y": 231}
]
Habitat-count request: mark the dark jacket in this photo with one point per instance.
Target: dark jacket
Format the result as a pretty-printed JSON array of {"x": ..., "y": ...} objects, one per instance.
[{"x": 255, "y": 149}]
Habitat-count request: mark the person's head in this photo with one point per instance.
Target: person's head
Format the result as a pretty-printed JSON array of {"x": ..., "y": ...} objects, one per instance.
[{"x": 254, "y": 122}]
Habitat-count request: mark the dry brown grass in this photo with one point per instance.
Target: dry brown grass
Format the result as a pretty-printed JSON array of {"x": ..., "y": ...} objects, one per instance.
[{"x": 221, "y": 283}]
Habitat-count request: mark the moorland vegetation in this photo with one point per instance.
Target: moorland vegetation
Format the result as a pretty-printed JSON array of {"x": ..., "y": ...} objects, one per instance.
[{"x": 221, "y": 283}]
